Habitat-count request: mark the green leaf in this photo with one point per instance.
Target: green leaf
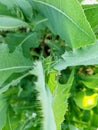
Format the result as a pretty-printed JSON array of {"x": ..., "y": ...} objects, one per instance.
[
  {"x": 83, "y": 56},
  {"x": 44, "y": 96},
  {"x": 12, "y": 62},
  {"x": 32, "y": 40},
  {"x": 60, "y": 101},
  {"x": 91, "y": 12},
  {"x": 80, "y": 0},
  {"x": 3, "y": 110},
  {"x": 25, "y": 7},
  {"x": 26, "y": 41},
  {"x": 10, "y": 23},
  {"x": 90, "y": 81},
  {"x": 52, "y": 82},
  {"x": 13, "y": 9},
  {"x": 7, "y": 3},
  {"x": 12, "y": 83},
  {"x": 68, "y": 20},
  {"x": 15, "y": 38},
  {"x": 4, "y": 10},
  {"x": 71, "y": 127},
  {"x": 94, "y": 120}
]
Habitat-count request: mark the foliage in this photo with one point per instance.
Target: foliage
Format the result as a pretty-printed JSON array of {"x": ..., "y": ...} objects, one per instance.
[{"x": 48, "y": 65}]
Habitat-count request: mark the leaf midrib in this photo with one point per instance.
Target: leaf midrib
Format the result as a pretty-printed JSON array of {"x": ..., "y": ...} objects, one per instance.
[
  {"x": 15, "y": 67},
  {"x": 63, "y": 13}
]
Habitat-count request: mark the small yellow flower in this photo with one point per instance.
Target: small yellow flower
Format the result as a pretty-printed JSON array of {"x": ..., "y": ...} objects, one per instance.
[
  {"x": 85, "y": 101},
  {"x": 89, "y": 100}
]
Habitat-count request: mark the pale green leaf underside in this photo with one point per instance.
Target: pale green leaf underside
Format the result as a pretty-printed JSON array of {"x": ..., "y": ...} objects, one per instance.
[
  {"x": 11, "y": 62},
  {"x": 68, "y": 20},
  {"x": 44, "y": 96},
  {"x": 10, "y": 23},
  {"x": 83, "y": 56}
]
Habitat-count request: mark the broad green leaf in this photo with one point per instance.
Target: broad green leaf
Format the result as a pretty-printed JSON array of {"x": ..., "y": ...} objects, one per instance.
[
  {"x": 12, "y": 83},
  {"x": 91, "y": 12},
  {"x": 25, "y": 7},
  {"x": 26, "y": 41},
  {"x": 90, "y": 81},
  {"x": 8, "y": 3},
  {"x": 15, "y": 39},
  {"x": 11, "y": 62},
  {"x": 60, "y": 101},
  {"x": 10, "y": 23},
  {"x": 83, "y": 56},
  {"x": 3, "y": 110},
  {"x": 13, "y": 9},
  {"x": 32, "y": 40},
  {"x": 67, "y": 20},
  {"x": 4, "y": 10},
  {"x": 44, "y": 96}
]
